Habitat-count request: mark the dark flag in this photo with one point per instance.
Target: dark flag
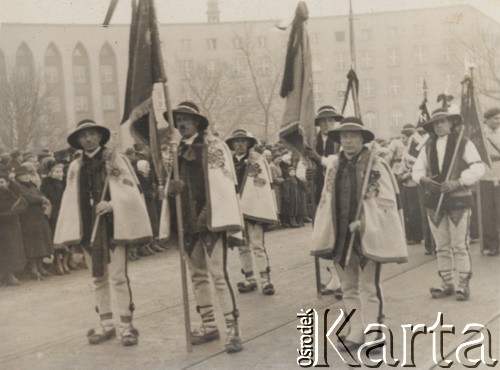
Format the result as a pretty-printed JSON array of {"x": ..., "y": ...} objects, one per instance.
[
  {"x": 145, "y": 69},
  {"x": 350, "y": 108},
  {"x": 297, "y": 127},
  {"x": 472, "y": 122}
]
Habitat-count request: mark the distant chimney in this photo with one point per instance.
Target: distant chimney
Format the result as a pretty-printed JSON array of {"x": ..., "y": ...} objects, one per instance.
[{"x": 213, "y": 13}]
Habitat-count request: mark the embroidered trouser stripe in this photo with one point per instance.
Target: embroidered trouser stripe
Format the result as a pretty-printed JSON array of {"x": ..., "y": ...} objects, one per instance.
[
  {"x": 362, "y": 292},
  {"x": 202, "y": 264},
  {"x": 378, "y": 287}
]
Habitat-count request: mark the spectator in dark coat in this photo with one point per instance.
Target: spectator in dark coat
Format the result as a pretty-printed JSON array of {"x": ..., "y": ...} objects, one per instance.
[
  {"x": 53, "y": 188},
  {"x": 35, "y": 226},
  {"x": 12, "y": 257}
]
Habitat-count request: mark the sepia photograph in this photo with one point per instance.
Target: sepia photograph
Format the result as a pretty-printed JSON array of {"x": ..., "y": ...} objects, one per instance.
[{"x": 235, "y": 184}]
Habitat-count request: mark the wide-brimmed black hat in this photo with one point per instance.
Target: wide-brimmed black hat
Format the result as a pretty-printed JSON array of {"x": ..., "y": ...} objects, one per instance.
[
  {"x": 351, "y": 124},
  {"x": 408, "y": 129},
  {"x": 440, "y": 113},
  {"x": 241, "y": 134},
  {"x": 492, "y": 112},
  {"x": 327, "y": 111},
  {"x": 85, "y": 125},
  {"x": 188, "y": 107}
]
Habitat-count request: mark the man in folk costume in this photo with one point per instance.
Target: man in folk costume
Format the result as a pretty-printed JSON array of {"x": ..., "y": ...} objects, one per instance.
[
  {"x": 259, "y": 209},
  {"x": 409, "y": 192},
  {"x": 490, "y": 187},
  {"x": 210, "y": 210},
  {"x": 326, "y": 119},
  {"x": 102, "y": 188},
  {"x": 451, "y": 226},
  {"x": 378, "y": 236}
]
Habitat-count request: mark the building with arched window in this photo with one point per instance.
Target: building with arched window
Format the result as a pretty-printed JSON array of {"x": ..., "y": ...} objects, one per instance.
[{"x": 86, "y": 65}]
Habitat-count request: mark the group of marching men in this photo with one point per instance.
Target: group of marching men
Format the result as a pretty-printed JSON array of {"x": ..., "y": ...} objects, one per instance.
[{"x": 226, "y": 197}]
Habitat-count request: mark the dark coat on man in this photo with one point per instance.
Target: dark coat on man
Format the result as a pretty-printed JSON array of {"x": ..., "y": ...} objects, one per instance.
[
  {"x": 53, "y": 189},
  {"x": 35, "y": 225},
  {"x": 12, "y": 256}
]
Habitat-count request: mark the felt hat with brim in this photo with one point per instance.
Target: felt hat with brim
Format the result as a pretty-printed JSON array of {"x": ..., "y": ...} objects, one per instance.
[
  {"x": 22, "y": 170},
  {"x": 241, "y": 134},
  {"x": 351, "y": 124},
  {"x": 189, "y": 108},
  {"x": 442, "y": 113},
  {"x": 85, "y": 125},
  {"x": 408, "y": 129},
  {"x": 327, "y": 111}
]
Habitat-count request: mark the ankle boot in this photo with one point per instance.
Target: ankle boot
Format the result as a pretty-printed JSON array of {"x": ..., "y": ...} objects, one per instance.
[
  {"x": 463, "y": 290},
  {"x": 233, "y": 340},
  {"x": 447, "y": 288}
]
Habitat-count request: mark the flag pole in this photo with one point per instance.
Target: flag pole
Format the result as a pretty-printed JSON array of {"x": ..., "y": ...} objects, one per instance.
[
  {"x": 351, "y": 36},
  {"x": 180, "y": 225},
  {"x": 178, "y": 207}
]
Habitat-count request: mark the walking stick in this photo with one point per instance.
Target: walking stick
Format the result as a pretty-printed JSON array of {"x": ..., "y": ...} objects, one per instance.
[
  {"x": 360, "y": 200},
  {"x": 180, "y": 228},
  {"x": 450, "y": 170},
  {"x": 318, "y": 276},
  {"x": 104, "y": 191}
]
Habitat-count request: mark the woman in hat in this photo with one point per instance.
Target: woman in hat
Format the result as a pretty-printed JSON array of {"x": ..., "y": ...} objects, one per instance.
[
  {"x": 450, "y": 227},
  {"x": 12, "y": 256},
  {"x": 37, "y": 238}
]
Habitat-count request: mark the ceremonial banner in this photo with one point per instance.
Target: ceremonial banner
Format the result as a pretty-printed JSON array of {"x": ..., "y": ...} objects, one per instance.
[
  {"x": 297, "y": 127},
  {"x": 470, "y": 113},
  {"x": 144, "y": 71},
  {"x": 350, "y": 108}
]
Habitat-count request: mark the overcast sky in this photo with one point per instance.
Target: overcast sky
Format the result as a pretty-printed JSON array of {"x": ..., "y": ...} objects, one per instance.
[{"x": 170, "y": 11}]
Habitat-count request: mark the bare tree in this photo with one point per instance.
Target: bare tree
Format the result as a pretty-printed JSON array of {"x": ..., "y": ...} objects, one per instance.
[
  {"x": 218, "y": 95},
  {"x": 26, "y": 120},
  {"x": 483, "y": 49},
  {"x": 264, "y": 68}
]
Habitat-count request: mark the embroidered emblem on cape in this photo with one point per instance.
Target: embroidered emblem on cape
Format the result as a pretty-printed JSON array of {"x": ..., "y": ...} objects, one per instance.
[
  {"x": 216, "y": 158},
  {"x": 253, "y": 171},
  {"x": 329, "y": 179},
  {"x": 372, "y": 190}
]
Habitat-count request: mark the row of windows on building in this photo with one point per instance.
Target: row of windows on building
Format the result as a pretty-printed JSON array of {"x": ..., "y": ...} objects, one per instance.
[
  {"x": 261, "y": 41},
  {"x": 370, "y": 88},
  {"x": 342, "y": 61}
]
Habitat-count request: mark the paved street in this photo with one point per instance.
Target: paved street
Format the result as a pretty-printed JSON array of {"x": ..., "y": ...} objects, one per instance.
[{"x": 44, "y": 324}]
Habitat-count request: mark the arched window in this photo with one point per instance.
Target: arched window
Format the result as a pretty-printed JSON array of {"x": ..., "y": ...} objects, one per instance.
[
  {"x": 3, "y": 67},
  {"x": 109, "y": 84},
  {"x": 82, "y": 83},
  {"x": 54, "y": 81},
  {"x": 24, "y": 60}
]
